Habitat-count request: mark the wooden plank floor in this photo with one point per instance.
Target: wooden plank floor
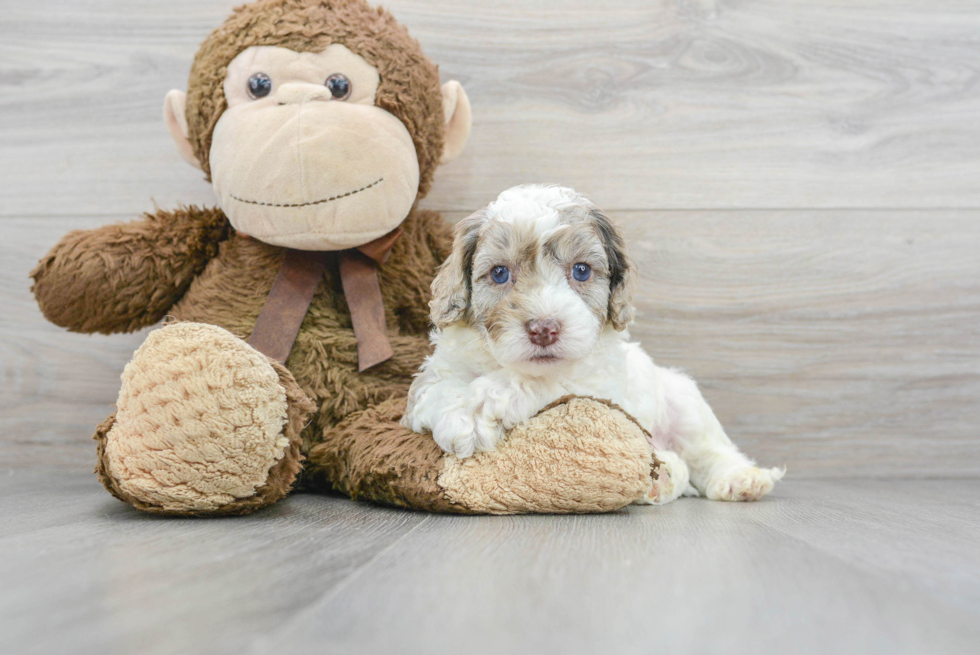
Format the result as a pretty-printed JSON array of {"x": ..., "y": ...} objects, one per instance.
[{"x": 843, "y": 566}]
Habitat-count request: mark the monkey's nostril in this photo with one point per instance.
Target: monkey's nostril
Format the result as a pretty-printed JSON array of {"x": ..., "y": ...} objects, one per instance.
[{"x": 543, "y": 332}]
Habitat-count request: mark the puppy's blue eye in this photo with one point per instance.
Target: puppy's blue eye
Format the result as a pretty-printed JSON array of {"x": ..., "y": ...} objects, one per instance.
[
  {"x": 581, "y": 272},
  {"x": 500, "y": 274}
]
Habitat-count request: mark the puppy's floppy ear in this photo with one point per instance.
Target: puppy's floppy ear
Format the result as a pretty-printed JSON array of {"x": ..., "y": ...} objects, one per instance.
[
  {"x": 451, "y": 286},
  {"x": 622, "y": 273}
]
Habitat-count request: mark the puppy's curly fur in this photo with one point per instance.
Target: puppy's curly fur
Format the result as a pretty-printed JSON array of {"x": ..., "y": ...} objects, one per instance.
[{"x": 534, "y": 304}]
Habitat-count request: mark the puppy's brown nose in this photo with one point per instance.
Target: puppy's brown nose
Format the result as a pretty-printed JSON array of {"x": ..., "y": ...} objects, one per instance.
[{"x": 544, "y": 332}]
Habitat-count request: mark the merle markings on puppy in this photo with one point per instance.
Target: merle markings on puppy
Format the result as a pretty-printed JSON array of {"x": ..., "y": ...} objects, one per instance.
[{"x": 532, "y": 305}]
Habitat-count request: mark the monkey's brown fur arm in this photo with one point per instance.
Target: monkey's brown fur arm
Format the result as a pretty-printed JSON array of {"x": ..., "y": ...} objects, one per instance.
[{"x": 123, "y": 277}]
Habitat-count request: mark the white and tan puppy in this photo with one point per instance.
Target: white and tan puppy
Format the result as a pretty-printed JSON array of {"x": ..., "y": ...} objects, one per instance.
[{"x": 533, "y": 304}]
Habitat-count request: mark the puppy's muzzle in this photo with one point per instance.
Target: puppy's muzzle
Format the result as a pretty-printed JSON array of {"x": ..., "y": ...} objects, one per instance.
[{"x": 543, "y": 332}]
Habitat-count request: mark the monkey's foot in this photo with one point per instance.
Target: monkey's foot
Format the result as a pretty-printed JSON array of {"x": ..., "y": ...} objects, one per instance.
[
  {"x": 205, "y": 424},
  {"x": 579, "y": 455}
]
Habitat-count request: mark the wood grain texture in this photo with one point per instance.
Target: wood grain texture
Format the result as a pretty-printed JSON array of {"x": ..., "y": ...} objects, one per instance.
[
  {"x": 641, "y": 103},
  {"x": 818, "y": 567},
  {"x": 841, "y": 343},
  {"x": 234, "y": 576}
]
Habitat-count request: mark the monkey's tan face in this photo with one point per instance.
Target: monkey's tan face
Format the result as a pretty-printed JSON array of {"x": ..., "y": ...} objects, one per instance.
[{"x": 303, "y": 158}]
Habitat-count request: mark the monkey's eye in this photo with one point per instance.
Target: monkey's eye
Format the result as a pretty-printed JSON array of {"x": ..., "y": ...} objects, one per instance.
[
  {"x": 259, "y": 85},
  {"x": 581, "y": 272},
  {"x": 339, "y": 86},
  {"x": 500, "y": 274}
]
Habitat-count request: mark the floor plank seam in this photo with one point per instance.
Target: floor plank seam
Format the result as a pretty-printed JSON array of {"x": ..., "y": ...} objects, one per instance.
[
  {"x": 887, "y": 577},
  {"x": 310, "y": 608}
]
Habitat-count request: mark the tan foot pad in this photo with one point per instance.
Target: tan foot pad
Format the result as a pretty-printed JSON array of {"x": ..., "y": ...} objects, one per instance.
[
  {"x": 578, "y": 456},
  {"x": 581, "y": 455},
  {"x": 200, "y": 423}
]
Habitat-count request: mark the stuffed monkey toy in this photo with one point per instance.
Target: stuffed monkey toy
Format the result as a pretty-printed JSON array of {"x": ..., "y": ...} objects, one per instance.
[{"x": 296, "y": 311}]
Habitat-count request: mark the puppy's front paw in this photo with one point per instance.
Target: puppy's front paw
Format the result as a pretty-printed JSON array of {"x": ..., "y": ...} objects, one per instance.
[
  {"x": 489, "y": 432},
  {"x": 743, "y": 483},
  {"x": 455, "y": 432},
  {"x": 462, "y": 433}
]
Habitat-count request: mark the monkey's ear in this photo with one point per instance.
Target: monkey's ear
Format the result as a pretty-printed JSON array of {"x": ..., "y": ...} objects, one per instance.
[
  {"x": 456, "y": 108},
  {"x": 174, "y": 106}
]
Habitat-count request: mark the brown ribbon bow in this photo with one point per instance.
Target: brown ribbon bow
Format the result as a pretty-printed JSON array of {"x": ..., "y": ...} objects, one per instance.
[{"x": 292, "y": 292}]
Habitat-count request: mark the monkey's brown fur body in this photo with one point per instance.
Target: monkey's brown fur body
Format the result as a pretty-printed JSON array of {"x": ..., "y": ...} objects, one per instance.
[{"x": 332, "y": 427}]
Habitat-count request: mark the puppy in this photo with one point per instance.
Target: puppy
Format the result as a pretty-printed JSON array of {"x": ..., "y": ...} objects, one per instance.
[{"x": 533, "y": 304}]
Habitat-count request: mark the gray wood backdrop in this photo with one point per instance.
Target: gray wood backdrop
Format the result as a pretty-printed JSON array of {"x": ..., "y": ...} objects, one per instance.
[{"x": 798, "y": 179}]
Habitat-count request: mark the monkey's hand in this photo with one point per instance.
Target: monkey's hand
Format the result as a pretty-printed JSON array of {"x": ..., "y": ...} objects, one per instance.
[{"x": 123, "y": 277}]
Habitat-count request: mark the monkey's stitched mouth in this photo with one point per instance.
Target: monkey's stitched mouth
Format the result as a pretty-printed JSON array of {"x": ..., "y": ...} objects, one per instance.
[{"x": 307, "y": 204}]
